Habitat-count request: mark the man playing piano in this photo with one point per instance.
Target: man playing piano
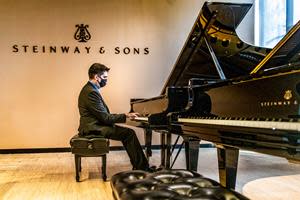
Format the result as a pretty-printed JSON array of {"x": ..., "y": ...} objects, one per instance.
[{"x": 95, "y": 118}]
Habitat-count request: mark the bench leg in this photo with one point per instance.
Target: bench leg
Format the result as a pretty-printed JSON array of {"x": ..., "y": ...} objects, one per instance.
[
  {"x": 77, "y": 166},
  {"x": 79, "y": 163},
  {"x": 104, "y": 167}
]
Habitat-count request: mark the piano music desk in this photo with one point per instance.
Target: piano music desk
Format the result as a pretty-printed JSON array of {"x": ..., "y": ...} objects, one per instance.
[{"x": 274, "y": 188}]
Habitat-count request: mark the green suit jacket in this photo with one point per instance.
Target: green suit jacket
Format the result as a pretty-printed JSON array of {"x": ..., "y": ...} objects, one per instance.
[{"x": 94, "y": 113}]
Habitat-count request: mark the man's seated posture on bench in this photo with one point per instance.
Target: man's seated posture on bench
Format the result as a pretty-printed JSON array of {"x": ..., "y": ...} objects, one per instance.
[{"x": 95, "y": 118}]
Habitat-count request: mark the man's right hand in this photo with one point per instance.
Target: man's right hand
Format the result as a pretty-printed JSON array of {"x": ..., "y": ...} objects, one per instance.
[{"x": 132, "y": 115}]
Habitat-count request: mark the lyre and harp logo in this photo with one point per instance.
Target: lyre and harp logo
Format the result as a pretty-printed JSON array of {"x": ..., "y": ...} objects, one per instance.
[
  {"x": 287, "y": 95},
  {"x": 82, "y": 34}
]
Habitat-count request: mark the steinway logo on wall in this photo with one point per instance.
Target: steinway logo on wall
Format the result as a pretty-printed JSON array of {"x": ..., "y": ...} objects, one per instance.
[{"x": 82, "y": 35}]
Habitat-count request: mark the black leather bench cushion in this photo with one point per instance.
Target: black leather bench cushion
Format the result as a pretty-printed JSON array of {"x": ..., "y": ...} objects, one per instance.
[
  {"x": 169, "y": 184},
  {"x": 91, "y": 145}
]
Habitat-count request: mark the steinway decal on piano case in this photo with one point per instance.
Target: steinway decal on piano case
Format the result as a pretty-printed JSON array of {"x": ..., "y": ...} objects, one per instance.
[
  {"x": 288, "y": 94},
  {"x": 278, "y": 103},
  {"x": 82, "y": 35}
]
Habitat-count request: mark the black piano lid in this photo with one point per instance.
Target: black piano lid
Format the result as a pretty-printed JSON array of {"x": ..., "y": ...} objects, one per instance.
[
  {"x": 285, "y": 53},
  {"x": 235, "y": 57}
]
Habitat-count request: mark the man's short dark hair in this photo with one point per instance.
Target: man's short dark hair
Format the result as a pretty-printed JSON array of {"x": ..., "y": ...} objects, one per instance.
[{"x": 97, "y": 68}]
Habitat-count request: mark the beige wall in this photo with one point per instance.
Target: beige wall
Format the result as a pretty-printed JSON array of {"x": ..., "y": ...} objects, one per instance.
[{"x": 38, "y": 101}]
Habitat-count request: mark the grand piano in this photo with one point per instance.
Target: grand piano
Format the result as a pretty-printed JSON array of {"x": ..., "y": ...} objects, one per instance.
[
  {"x": 212, "y": 42},
  {"x": 231, "y": 93}
]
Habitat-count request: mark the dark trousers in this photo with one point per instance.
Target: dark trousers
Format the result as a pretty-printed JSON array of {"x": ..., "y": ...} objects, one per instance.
[{"x": 130, "y": 142}]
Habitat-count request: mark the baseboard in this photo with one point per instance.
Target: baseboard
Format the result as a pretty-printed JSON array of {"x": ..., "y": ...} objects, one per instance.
[
  {"x": 68, "y": 149},
  {"x": 35, "y": 150}
]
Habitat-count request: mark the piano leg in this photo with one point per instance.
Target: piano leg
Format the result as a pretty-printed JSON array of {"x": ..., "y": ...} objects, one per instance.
[
  {"x": 228, "y": 161},
  {"x": 165, "y": 153},
  {"x": 191, "y": 152},
  {"x": 148, "y": 142},
  {"x": 162, "y": 150},
  {"x": 168, "y": 149}
]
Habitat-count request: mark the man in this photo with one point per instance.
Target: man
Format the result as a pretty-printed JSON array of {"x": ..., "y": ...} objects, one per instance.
[{"x": 95, "y": 118}]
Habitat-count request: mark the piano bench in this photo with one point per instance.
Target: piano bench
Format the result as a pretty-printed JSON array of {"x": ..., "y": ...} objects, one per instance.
[
  {"x": 89, "y": 146},
  {"x": 168, "y": 184}
]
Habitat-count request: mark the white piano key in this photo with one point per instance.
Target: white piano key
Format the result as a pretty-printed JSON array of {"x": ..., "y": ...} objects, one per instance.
[{"x": 295, "y": 126}]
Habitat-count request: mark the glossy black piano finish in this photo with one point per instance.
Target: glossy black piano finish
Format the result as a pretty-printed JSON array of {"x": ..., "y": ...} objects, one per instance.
[
  {"x": 213, "y": 34},
  {"x": 255, "y": 101},
  {"x": 215, "y": 27},
  {"x": 267, "y": 98},
  {"x": 154, "y": 112},
  {"x": 213, "y": 58},
  {"x": 265, "y": 118},
  {"x": 259, "y": 112},
  {"x": 157, "y": 108}
]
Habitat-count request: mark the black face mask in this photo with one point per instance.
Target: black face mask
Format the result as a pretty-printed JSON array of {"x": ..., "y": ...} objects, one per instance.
[{"x": 103, "y": 82}]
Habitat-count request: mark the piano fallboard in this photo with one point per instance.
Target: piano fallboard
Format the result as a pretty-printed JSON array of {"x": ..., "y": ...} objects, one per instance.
[
  {"x": 154, "y": 111},
  {"x": 152, "y": 105},
  {"x": 175, "y": 99}
]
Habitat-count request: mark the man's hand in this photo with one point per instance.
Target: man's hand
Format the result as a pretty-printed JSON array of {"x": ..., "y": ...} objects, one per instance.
[{"x": 132, "y": 115}]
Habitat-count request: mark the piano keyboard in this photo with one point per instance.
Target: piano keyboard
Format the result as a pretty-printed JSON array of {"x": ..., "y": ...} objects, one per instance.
[
  {"x": 141, "y": 119},
  {"x": 292, "y": 126}
]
